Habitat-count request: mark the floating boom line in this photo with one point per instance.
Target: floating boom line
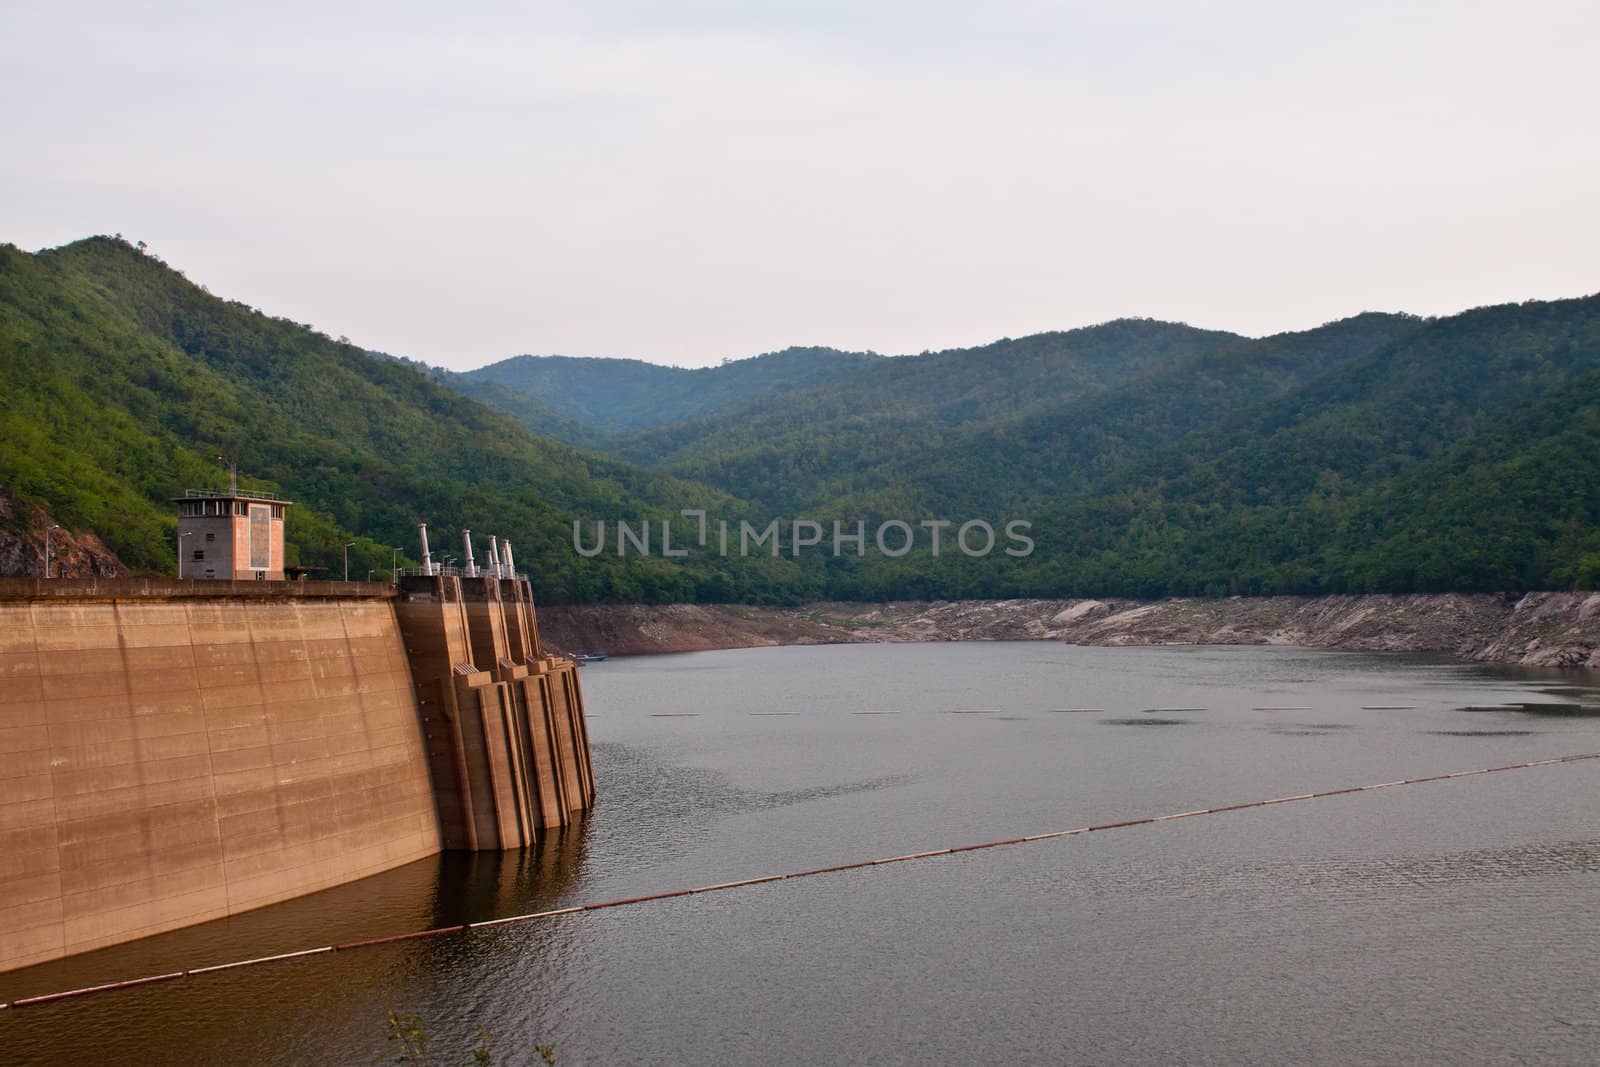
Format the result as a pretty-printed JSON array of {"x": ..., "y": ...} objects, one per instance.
[{"x": 50, "y": 998}]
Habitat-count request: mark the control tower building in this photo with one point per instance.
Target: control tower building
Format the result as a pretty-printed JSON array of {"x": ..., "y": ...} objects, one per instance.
[{"x": 230, "y": 536}]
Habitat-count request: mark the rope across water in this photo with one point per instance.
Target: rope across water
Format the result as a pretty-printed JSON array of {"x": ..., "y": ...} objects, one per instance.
[{"x": 49, "y": 998}]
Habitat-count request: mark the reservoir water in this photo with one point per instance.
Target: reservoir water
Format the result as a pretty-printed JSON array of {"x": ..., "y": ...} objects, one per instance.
[{"x": 1451, "y": 922}]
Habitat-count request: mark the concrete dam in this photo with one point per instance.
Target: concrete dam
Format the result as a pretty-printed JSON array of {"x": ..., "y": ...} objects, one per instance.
[{"x": 178, "y": 751}]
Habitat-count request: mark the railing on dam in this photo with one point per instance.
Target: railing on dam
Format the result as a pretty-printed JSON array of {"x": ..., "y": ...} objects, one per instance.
[{"x": 173, "y": 588}]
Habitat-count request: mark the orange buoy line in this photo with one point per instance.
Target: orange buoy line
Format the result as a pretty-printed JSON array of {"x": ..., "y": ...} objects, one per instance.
[{"x": 48, "y": 998}]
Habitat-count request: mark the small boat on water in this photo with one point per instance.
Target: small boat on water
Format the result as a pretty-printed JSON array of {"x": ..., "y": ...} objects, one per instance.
[{"x": 587, "y": 657}]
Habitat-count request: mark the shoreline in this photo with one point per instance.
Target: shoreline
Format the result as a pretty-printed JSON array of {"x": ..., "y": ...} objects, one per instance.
[{"x": 1533, "y": 629}]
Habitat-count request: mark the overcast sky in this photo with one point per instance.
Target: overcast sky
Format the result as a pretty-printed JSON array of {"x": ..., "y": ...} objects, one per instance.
[{"x": 692, "y": 181}]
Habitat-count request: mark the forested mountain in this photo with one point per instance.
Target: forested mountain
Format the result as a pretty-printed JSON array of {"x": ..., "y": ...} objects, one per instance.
[
  {"x": 1457, "y": 457},
  {"x": 1381, "y": 452},
  {"x": 1515, "y": 506},
  {"x": 811, "y": 447},
  {"x": 619, "y": 395},
  {"x": 1378, "y": 453},
  {"x": 523, "y": 408},
  {"x": 1017, "y": 423},
  {"x": 124, "y": 382},
  {"x": 1034, "y": 458}
]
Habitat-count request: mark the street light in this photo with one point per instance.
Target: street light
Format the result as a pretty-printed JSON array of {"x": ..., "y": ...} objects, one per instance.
[
  {"x": 347, "y": 561},
  {"x": 369, "y": 576},
  {"x": 47, "y": 549},
  {"x": 394, "y": 567},
  {"x": 180, "y": 552},
  {"x": 233, "y": 474}
]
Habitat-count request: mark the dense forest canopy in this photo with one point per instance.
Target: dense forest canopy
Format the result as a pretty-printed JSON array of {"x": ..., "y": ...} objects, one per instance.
[
  {"x": 1378, "y": 453},
  {"x": 630, "y": 394}
]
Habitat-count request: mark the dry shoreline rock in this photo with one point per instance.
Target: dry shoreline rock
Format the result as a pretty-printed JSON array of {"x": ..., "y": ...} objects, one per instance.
[{"x": 1536, "y": 629}]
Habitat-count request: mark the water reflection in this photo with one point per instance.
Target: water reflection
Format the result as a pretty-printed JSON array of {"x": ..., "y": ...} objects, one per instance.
[
  {"x": 473, "y": 886},
  {"x": 443, "y": 890}
]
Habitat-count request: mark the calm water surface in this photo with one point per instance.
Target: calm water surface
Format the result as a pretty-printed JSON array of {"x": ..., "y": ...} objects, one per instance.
[{"x": 1455, "y": 922}]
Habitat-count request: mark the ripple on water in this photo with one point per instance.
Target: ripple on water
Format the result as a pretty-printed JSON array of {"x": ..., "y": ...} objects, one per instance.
[
  {"x": 1575, "y": 711},
  {"x": 1304, "y": 729},
  {"x": 1481, "y": 733},
  {"x": 1560, "y": 711},
  {"x": 1146, "y": 721},
  {"x": 1440, "y": 869}
]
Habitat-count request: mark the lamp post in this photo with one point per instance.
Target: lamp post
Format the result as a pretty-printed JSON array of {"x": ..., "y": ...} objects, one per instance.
[
  {"x": 233, "y": 475},
  {"x": 394, "y": 567},
  {"x": 347, "y": 561},
  {"x": 47, "y": 548},
  {"x": 369, "y": 575},
  {"x": 180, "y": 552}
]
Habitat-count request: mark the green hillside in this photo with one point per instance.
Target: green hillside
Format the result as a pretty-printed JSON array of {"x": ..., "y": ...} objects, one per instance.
[
  {"x": 1378, "y": 453},
  {"x": 620, "y": 395},
  {"x": 524, "y": 409},
  {"x": 810, "y": 448},
  {"x": 1032, "y": 459},
  {"x": 1455, "y": 458},
  {"x": 124, "y": 381}
]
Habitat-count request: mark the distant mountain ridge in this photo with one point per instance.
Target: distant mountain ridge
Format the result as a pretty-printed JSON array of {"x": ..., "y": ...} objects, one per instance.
[
  {"x": 1379, "y": 453},
  {"x": 908, "y": 422},
  {"x": 620, "y": 395},
  {"x": 1160, "y": 459}
]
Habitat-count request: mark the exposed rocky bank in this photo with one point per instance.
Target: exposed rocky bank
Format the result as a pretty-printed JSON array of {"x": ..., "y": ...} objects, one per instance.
[
  {"x": 30, "y": 541},
  {"x": 1535, "y": 629}
]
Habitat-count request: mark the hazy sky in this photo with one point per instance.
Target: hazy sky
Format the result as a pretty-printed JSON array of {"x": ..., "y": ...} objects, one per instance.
[{"x": 684, "y": 182}]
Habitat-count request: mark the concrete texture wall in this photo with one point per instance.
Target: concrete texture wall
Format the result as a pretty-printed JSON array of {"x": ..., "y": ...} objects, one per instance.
[{"x": 175, "y": 752}]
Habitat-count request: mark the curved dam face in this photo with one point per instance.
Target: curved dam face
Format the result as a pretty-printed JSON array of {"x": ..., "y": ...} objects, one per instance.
[{"x": 173, "y": 752}]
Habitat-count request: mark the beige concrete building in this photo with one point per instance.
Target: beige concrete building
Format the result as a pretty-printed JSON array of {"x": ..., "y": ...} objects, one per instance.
[{"x": 230, "y": 536}]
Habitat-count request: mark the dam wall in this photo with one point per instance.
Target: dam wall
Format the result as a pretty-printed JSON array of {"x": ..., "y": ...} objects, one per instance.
[
  {"x": 178, "y": 751},
  {"x": 506, "y": 737}
]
